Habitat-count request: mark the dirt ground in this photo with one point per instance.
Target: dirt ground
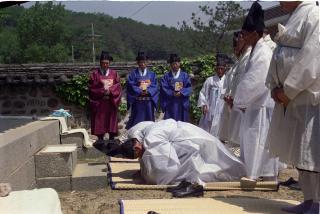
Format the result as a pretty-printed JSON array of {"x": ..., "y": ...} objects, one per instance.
[{"x": 106, "y": 200}]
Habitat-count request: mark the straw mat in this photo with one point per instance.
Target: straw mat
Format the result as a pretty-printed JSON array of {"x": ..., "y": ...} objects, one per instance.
[
  {"x": 114, "y": 159},
  {"x": 238, "y": 205},
  {"x": 123, "y": 175}
]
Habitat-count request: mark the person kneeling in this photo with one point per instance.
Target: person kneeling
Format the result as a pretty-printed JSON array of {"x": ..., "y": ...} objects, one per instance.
[{"x": 173, "y": 152}]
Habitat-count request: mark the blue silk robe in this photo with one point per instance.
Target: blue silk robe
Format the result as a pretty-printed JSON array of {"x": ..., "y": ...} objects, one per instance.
[
  {"x": 142, "y": 106},
  {"x": 175, "y": 107}
]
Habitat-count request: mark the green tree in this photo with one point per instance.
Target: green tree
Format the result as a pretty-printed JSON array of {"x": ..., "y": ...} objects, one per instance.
[
  {"x": 215, "y": 31},
  {"x": 40, "y": 29}
]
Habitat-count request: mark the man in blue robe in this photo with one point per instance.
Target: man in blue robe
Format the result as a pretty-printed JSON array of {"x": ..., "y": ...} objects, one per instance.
[
  {"x": 142, "y": 92},
  {"x": 175, "y": 92}
]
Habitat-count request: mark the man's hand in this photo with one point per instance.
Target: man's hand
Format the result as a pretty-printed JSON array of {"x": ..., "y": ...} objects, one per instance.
[
  {"x": 230, "y": 102},
  {"x": 279, "y": 96},
  {"x": 144, "y": 92},
  {"x": 137, "y": 174},
  {"x": 204, "y": 109},
  {"x": 177, "y": 94}
]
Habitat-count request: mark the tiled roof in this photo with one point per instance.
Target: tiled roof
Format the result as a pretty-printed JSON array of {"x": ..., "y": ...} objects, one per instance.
[
  {"x": 52, "y": 73},
  {"x": 273, "y": 12}
]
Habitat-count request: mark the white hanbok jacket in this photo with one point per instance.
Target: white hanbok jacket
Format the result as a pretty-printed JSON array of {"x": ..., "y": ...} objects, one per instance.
[
  {"x": 210, "y": 95},
  {"x": 225, "y": 114},
  {"x": 294, "y": 135},
  {"x": 236, "y": 114},
  {"x": 176, "y": 151},
  {"x": 254, "y": 97}
]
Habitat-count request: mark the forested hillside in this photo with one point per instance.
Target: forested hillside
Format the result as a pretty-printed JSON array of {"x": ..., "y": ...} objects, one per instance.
[{"x": 46, "y": 32}]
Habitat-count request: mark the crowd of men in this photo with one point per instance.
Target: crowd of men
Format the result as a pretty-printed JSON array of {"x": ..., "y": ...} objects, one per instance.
[{"x": 268, "y": 102}]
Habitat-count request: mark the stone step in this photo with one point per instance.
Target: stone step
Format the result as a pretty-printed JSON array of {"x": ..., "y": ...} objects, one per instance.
[
  {"x": 89, "y": 176},
  {"x": 57, "y": 183},
  {"x": 56, "y": 161},
  {"x": 73, "y": 138},
  {"x": 90, "y": 153}
]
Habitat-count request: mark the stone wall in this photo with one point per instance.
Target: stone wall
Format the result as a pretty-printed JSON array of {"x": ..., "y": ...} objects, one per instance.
[{"x": 37, "y": 100}]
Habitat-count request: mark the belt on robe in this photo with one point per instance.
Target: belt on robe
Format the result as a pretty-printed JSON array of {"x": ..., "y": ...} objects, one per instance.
[
  {"x": 143, "y": 98},
  {"x": 106, "y": 97}
]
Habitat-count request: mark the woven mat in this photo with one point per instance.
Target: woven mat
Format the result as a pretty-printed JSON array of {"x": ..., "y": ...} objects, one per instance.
[
  {"x": 238, "y": 205},
  {"x": 122, "y": 176},
  {"x": 113, "y": 159}
]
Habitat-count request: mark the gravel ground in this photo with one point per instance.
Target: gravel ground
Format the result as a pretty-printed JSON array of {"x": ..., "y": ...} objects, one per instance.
[{"x": 106, "y": 200}]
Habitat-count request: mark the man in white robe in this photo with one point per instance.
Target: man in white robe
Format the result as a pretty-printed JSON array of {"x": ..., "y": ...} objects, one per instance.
[
  {"x": 242, "y": 51},
  {"x": 252, "y": 96},
  {"x": 226, "y": 96},
  {"x": 294, "y": 78},
  {"x": 210, "y": 99},
  {"x": 172, "y": 152}
]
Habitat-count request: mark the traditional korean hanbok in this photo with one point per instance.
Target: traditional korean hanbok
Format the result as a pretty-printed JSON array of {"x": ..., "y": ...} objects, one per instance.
[
  {"x": 294, "y": 134},
  {"x": 142, "y": 107},
  {"x": 253, "y": 96},
  {"x": 210, "y": 96},
  {"x": 176, "y": 151},
  {"x": 175, "y": 107},
  {"x": 104, "y": 107},
  {"x": 236, "y": 114}
]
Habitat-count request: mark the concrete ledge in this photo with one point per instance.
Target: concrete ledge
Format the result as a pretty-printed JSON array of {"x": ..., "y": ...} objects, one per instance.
[
  {"x": 74, "y": 138},
  {"x": 89, "y": 177},
  {"x": 23, "y": 177},
  {"x": 57, "y": 183},
  {"x": 17, "y": 146},
  {"x": 56, "y": 161},
  {"x": 89, "y": 153}
]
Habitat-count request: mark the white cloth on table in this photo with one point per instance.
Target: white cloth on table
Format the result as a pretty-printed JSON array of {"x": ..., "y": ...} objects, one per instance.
[
  {"x": 254, "y": 97},
  {"x": 294, "y": 134},
  {"x": 210, "y": 96},
  {"x": 176, "y": 151},
  {"x": 36, "y": 201},
  {"x": 87, "y": 142}
]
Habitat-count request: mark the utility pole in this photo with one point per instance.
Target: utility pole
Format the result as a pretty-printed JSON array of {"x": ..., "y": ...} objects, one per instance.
[
  {"x": 92, "y": 38},
  {"x": 93, "y": 51},
  {"x": 72, "y": 54}
]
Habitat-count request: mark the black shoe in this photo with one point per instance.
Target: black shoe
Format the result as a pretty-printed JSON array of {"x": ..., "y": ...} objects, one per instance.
[
  {"x": 291, "y": 183},
  {"x": 192, "y": 190},
  {"x": 152, "y": 212},
  {"x": 183, "y": 184}
]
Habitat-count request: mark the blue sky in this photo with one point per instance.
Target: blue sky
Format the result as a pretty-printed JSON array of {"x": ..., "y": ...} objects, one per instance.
[{"x": 168, "y": 13}]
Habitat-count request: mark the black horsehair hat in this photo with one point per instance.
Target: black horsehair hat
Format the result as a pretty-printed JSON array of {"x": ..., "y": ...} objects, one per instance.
[
  {"x": 127, "y": 150},
  {"x": 255, "y": 19},
  {"x": 105, "y": 56},
  {"x": 141, "y": 56},
  {"x": 223, "y": 59},
  {"x": 173, "y": 58},
  {"x": 236, "y": 36}
]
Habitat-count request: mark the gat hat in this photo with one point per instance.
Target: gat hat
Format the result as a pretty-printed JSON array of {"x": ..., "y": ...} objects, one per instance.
[
  {"x": 105, "y": 56},
  {"x": 141, "y": 56},
  {"x": 255, "y": 19},
  {"x": 173, "y": 58}
]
